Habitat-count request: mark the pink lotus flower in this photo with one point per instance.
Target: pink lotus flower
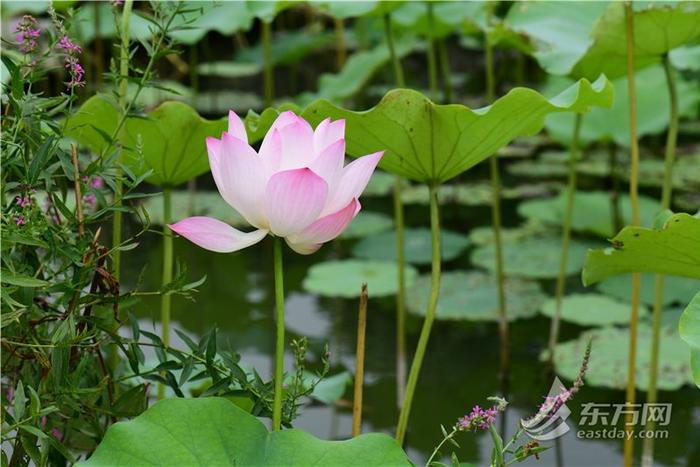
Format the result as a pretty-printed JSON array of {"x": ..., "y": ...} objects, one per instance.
[{"x": 295, "y": 187}]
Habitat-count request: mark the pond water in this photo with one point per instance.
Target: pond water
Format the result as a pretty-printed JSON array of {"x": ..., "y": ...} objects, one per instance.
[{"x": 460, "y": 366}]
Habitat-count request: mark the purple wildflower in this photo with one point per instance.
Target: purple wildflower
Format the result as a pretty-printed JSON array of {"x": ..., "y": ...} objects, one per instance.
[
  {"x": 72, "y": 64},
  {"x": 56, "y": 433},
  {"x": 24, "y": 201},
  {"x": 27, "y": 31},
  {"x": 97, "y": 183},
  {"x": 90, "y": 200},
  {"x": 478, "y": 418},
  {"x": 20, "y": 220},
  {"x": 68, "y": 46}
]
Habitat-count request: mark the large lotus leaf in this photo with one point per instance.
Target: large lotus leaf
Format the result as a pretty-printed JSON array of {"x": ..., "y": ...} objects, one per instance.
[
  {"x": 686, "y": 57},
  {"x": 608, "y": 363},
  {"x": 343, "y": 9},
  {"x": 483, "y": 235},
  {"x": 257, "y": 125},
  {"x": 417, "y": 245},
  {"x": 560, "y": 31},
  {"x": 83, "y": 25},
  {"x": 472, "y": 296},
  {"x": 170, "y": 140},
  {"x": 592, "y": 310},
  {"x": 673, "y": 250},
  {"x": 536, "y": 257},
  {"x": 475, "y": 193},
  {"x": 345, "y": 278},
  {"x": 186, "y": 204},
  {"x": 367, "y": 223},
  {"x": 676, "y": 289},
  {"x": 213, "y": 431},
  {"x": 447, "y": 16},
  {"x": 592, "y": 40},
  {"x": 381, "y": 184},
  {"x": 287, "y": 47},
  {"x": 689, "y": 329},
  {"x": 592, "y": 211},
  {"x": 201, "y": 17},
  {"x": 229, "y": 69},
  {"x": 653, "y": 109},
  {"x": 266, "y": 10},
  {"x": 429, "y": 142}
]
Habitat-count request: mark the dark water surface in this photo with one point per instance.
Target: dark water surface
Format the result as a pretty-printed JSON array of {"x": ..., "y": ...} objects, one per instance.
[{"x": 460, "y": 369}]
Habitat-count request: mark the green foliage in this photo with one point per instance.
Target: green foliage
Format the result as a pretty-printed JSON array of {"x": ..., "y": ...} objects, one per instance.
[
  {"x": 344, "y": 278},
  {"x": 533, "y": 256},
  {"x": 608, "y": 364},
  {"x": 226, "y": 18},
  {"x": 432, "y": 143},
  {"x": 186, "y": 204},
  {"x": 98, "y": 20},
  {"x": 674, "y": 250},
  {"x": 368, "y": 223},
  {"x": 417, "y": 243},
  {"x": 689, "y": 329},
  {"x": 472, "y": 296},
  {"x": 676, "y": 289},
  {"x": 287, "y": 48},
  {"x": 226, "y": 435},
  {"x": 474, "y": 193},
  {"x": 169, "y": 144},
  {"x": 593, "y": 211},
  {"x": 592, "y": 310}
]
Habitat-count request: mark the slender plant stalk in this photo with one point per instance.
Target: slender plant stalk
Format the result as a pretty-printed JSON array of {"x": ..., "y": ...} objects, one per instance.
[
  {"x": 565, "y": 237},
  {"x": 445, "y": 70},
  {"x": 269, "y": 75},
  {"x": 76, "y": 185},
  {"x": 359, "y": 364},
  {"x": 279, "y": 341},
  {"x": 634, "y": 199},
  {"x": 432, "y": 62},
  {"x": 98, "y": 59},
  {"x": 496, "y": 220},
  {"x": 340, "y": 47},
  {"x": 436, "y": 451},
  {"x": 671, "y": 137},
  {"x": 400, "y": 247},
  {"x": 429, "y": 316},
  {"x": 123, "y": 98},
  {"x": 165, "y": 299}
]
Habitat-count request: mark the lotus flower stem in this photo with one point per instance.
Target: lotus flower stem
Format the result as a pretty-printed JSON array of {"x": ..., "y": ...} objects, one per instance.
[
  {"x": 269, "y": 72},
  {"x": 445, "y": 70},
  {"x": 432, "y": 62},
  {"x": 615, "y": 182},
  {"x": 167, "y": 275},
  {"x": 634, "y": 199},
  {"x": 400, "y": 247},
  {"x": 429, "y": 316},
  {"x": 359, "y": 364},
  {"x": 123, "y": 89},
  {"x": 565, "y": 237},
  {"x": 671, "y": 136},
  {"x": 496, "y": 215},
  {"x": 340, "y": 47},
  {"x": 279, "y": 341}
]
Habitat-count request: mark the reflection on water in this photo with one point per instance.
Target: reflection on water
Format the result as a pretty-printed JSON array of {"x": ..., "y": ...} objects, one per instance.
[{"x": 459, "y": 370}]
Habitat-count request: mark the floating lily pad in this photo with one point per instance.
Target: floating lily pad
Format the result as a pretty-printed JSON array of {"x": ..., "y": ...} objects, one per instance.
[
  {"x": 367, "y": 223},
  {"x": 592, "y": 310},
  {"x": 475, "y": 193},
  {"x": 536, "y": 257},
  {"x": 676, "y": 289},
  {"x": 418, "y": 246},
  {"x": 381, "y": 184},
  {"x": 481, "y": 236},
  {"x": 186, "y": 204},
  {"x": 608, "y": 363},
  {"x": 592, "y": 211},
  {"x": 344, "y": 278},
  {"x": 472, "y": 296},
  {"x": 213, "y": 431}
]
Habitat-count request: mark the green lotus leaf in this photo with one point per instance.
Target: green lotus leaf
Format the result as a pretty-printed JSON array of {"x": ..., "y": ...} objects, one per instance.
[
  {"x": 186, "y": 204},
  {"x": 480, "y": 236},
  {"x": 331, "y": 388},
  {"x": 170, "y": 140},
  {"x": 214, "y": 431},
  {"x": 673, "y": 250},
  {"x": 534, "y": 257},
  {"x": 653, "y": 109},
  {"x": 686, "y": 57},
  {"x": 226, "y": 18},
  {"x": 593, "y": 211},
  {"x": 266, "y": 10},
  {"x": 228, "y": 69},
  {"x": 344, "y": 278},
  {"x": 417, "y": 243},
  {"x": 689, "y": 329},
  {"x": 368, "y": 223},
  {"x": 472, "y": 296},
  {"x": 345, "y": 10},
  {"x": 447, "y": 16},
  {"x": 585, "y": 39},
  {"x": 381, "y": 184},
  {"x": 676, "y": 289},
  {"x": 288, "y": 47},
  {"x": 608, "y": 363},
  {"x": 83, "y": 26},
  {"x": 474, "y": 194},
  {"x": 592, "y": 310},
  {"x": 427, "y": 142}
]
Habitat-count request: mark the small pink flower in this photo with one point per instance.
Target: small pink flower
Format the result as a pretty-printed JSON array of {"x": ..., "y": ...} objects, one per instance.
[
  {"x": 90, "y": 200},
  {"x": 97, "y": 183},
  {"x": 295, "y": 187},
  {"x": 20, "y": 220},
  {"x": 68, "y": 46},
  {"x": 27, "y": 32},
  {"x": 24, "y": 201},
  {"x": 56, "y": 433}
]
